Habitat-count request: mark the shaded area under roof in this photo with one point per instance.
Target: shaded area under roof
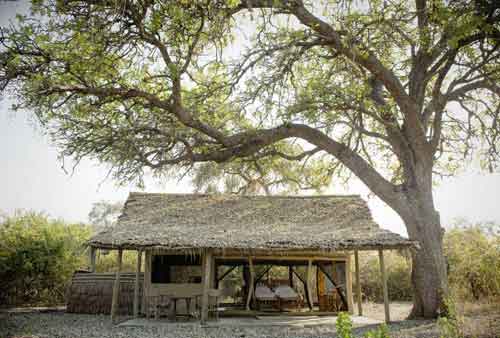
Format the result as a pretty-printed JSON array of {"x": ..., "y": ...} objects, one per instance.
[{"x": 197, "y": 221}]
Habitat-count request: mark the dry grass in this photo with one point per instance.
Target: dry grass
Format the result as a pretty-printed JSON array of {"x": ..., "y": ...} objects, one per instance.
[{"x": 478, "y": 319}]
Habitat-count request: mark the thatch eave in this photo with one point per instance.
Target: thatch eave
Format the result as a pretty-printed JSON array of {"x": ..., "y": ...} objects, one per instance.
[{"x": 193, "y": 223}]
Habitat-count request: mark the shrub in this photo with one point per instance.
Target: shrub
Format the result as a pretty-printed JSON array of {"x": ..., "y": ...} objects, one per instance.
[
  {"x": 473, "y": 254},
  {"x": 381, "y": 332},
  {"x": 106, "y": 261},
  {"x": 398, "y": 269},
  {"x": 37, "y": 257},
  {"x": 344, "y": 325}
]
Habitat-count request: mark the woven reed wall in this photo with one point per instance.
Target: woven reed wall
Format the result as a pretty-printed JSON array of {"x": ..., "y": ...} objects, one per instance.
[{"x": 92, "y": 292}]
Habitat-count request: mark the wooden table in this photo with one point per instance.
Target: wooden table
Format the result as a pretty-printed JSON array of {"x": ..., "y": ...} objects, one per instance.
[{"x": 172, "y": 313}]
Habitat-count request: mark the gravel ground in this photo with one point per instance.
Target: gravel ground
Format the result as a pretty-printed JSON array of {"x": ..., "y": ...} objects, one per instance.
[{"x": 59, "y": 324}]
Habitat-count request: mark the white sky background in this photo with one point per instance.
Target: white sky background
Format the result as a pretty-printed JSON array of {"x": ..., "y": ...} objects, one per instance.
[{"x": 31, "y": 177}]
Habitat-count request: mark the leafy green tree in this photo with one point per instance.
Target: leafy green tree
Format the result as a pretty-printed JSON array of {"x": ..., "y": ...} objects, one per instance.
[
  {"x": 390, "y": 91},
  {"x": 38, "y": 257},
  {"x": 104, "y": 213},
  {"x": 265, "y": 176}
]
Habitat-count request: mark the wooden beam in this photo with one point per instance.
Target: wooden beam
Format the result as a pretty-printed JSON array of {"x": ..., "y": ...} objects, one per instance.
[
  {"x": 299, "y": 277},
  {"x": 384, "y": 285},
  {"x": 358, "y": 283},
  {"x": 227, "y": 272},
  {"x": 304, "y": 283},
  {"x": 146, "y": 283},
  {"x": 251, "y": 283},
  {"x": 259, "y": 277},
  {"x": 92, "y": 256},
  {"x": 116, "y": 287},
  {"x": 309, "y": 284},
  {"x": 332, "y": 280},
  {"x": 207, "y": 279},
  {"x": 226, "y": 258},
  {"x": 213, "y": 269},
  {"x": 348, "y": 281},
  {"x": 136, "y": 286}
]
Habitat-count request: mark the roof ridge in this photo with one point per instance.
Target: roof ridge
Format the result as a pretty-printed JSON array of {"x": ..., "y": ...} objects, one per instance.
[{"x": 247, "y": 196}]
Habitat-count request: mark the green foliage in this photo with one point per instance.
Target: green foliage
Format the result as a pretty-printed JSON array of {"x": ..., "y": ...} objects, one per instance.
[
  {"x": 104, "y": 213},
  {"x": 344, "y": 325},
  {"x": 270, "y": 175},
  {"x": 344, "y": 328},
  {"x": 398, "y": 269},
  {"x": 37, "y": 257},
  {"x": 473, "y": 253},
  {"x": 106, "y": 261},
  {"x": 450, "y": 323},
  {"x": 448, "y": 328},
  {"x": 381, "y": 332}
]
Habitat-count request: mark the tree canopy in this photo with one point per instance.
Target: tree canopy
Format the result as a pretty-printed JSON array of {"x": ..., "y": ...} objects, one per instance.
[
  {"x": 393, "y": 91},
  {"x": 156, "y": 84}
]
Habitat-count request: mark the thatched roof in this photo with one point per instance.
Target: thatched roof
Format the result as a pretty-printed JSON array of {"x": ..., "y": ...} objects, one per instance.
[{"x": 195, "y": 221}]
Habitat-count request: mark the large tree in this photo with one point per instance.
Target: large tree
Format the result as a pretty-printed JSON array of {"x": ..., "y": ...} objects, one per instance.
[{"x": 390, "y": 91}]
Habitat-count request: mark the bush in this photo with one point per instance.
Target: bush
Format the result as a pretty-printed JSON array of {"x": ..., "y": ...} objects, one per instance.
[
  {"x": 344, "y": 328},
  {"x": 398, "y": 269},
  {"x": 344, "y": 325},
  {"x": 106, "y": 261},
  {"x": 38, "y": 257},
  {"x": 381, "y": 332},
  {"x": 473, "y": 254}
]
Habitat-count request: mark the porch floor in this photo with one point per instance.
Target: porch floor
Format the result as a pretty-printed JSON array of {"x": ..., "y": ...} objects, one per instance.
[{"x": 254, "y": 321}]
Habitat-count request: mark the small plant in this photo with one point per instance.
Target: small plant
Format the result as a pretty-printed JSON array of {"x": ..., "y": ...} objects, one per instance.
[
  {"x": 344, "y": 325},
  {"x": 381, "y": 332},
  {"x": 449, "y": 323},
  {"x": 448, "y": 328}
]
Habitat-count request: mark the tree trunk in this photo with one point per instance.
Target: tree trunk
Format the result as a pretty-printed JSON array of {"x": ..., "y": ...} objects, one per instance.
[{"x": 429, "y": 275}]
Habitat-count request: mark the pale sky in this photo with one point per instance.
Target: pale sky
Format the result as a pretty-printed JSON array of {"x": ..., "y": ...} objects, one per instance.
[{"x": 31, "y": 177}]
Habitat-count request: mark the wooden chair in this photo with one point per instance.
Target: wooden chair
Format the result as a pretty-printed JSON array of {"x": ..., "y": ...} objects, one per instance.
[
  {"x": 213, "y": 302},
  {"x": 263, "y": 295},
  {"x": 158, "y": 306}
]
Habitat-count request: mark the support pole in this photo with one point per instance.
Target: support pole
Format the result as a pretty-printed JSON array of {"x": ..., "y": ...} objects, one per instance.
[
  {"x": 348, "y": 279},
  {"x": 290, "y": 276},
  {"x": 384, "y": 285},
  {"x": 92, "y": 254},
  {"x": 116, "y": 287},
  {"x": 146, "y": 282},
  {"x": 358, "y": 283},
  {"x": 309, "y": 284},
  {"x": 207, "y": 280},
  {"x": 251, "y": 283},
  {"x": 136, "y": 286}
]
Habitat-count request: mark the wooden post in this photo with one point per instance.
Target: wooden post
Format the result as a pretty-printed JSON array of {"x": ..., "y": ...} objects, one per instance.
[
  {"x": 251, "y": 283},
  {"x": 146, "y": 282},
  {"x": 116, "y": 287},
  {"x": 92, "y": 254},
  {"x": 348, "y": 281},
  {"x": 309, "y": 284},
  {"x": 384, "y": 285},
  {"x": 136, "y": 286},
  {"x": 290, "y": 276},
  {"x": 207, "y": 280},
  {"x": 358, "y": 283}
]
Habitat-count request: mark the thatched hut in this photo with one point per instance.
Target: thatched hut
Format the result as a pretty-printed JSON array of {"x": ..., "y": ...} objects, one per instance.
[{"x": 187, "y": 237}]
